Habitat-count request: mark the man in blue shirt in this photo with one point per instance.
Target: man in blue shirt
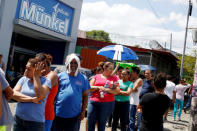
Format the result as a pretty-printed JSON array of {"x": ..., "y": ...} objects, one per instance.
[
  {"x": 146, "y": 88},
  {"x": 72, "y": 97},
  {"x": 147, "y": 84}
]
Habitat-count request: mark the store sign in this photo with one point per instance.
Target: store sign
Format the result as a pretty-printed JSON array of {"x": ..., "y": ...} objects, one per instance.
[{"x": 50, "y": 14}]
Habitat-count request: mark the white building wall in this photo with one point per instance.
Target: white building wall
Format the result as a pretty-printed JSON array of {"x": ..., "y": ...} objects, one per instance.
[
  {"x": 7, "y": 14},
  {"x": 7, "y": 18},
  {"x": 77, "y": 5}
]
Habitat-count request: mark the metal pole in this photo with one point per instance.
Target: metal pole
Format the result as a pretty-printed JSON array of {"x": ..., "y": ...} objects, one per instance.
[
  {"x": 170, "y": 42},
  {"x": 151, "y": 57},
  {"x": 182, "y": 61}
]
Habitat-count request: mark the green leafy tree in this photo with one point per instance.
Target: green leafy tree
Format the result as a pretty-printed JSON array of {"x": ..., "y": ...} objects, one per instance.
[
  {"x": 188, "y": 67},
  {"x": 99, "y": 35},
  {"x": 138, "y": 46}
]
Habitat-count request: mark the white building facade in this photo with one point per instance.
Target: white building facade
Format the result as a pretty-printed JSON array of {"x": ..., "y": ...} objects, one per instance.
[{"x": 28, "y": 27}]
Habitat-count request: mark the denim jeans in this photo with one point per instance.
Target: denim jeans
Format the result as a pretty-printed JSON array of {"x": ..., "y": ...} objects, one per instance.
[
  {"x": 139, "y": 118},
  {"x": 188, "y": 104},
  {"x": 121, "y": 111},
  {"x": 99, "y": 111},
  {"x": 132, "y": 117},
  {"x": 22, "y": 125},
  {"x": 48, "y": 124},
  {"x": 178, "y": 103},
  {"x": 65, "y": 124}
]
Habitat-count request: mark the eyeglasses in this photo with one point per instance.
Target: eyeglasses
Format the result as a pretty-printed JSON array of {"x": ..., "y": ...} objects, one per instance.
[
  {"x": 124, "y": 74},
  {"x": 109, "y": 69}
]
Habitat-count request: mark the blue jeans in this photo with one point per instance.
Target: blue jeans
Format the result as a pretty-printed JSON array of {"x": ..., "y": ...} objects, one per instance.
[
  {"x": 132, "y": 118},
  {"x": 22, "y": 125},
  {"x": 178, "y": 103},
  {"x": 65, "y": 124},
  {"x": 139, "y": 118},
  {"x": 99, "y": 111},
  {"x": 188, "y": 104},
  {"x": 48, "y": 125}
]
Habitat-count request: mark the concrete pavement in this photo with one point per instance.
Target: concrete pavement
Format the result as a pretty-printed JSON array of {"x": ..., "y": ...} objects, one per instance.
[{"x": 169, "y": 125}]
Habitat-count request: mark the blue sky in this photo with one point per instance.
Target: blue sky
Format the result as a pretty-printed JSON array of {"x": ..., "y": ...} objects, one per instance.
[{"x": 137, "y": 18}]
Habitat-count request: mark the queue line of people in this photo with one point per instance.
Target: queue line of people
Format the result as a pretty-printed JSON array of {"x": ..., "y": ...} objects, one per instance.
[{"x": 57, "y": 102}]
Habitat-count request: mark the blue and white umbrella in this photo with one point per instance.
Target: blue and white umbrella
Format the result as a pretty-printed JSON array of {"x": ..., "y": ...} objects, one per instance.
[
  {"x": 146, "y": 67},
  {"x": 118, "y": 52}
]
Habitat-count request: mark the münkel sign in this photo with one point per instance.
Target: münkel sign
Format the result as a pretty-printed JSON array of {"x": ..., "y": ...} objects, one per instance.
[{"x": 50, "y": 14}]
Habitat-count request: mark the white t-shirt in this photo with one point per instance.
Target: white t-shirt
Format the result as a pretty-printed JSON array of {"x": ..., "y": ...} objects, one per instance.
[
  {"x": 180, "y": 90},
  {"x": 134, "y": 97},
  {"x": 170, "y": 87},
  {"x": 2, "y": 71}
]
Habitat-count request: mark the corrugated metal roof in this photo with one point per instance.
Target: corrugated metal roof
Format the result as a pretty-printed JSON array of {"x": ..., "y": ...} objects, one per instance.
[{"x": 101, "y": 44}]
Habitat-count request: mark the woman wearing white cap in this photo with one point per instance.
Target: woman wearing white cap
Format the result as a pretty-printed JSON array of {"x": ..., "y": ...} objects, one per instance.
[{"x": 72, "y": 97}]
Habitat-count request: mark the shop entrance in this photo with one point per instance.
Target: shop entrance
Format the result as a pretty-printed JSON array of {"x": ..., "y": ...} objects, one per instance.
[{"x": 25, "y": 47}]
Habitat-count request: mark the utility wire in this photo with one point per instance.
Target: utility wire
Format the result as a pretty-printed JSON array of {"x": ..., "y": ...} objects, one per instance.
[
  {"x": 181, "y": 5},
  {"x": 155, "y": 13},
  {"x": 139, "y": 36}
]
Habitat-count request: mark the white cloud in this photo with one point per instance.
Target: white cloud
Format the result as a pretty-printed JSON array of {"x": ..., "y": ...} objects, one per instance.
[
  {"x": 183, "y": 2},
  {"x": 127, "y": 20},
  {"x": 179, "y": 1},
  {"x": 99, "y": 14}
]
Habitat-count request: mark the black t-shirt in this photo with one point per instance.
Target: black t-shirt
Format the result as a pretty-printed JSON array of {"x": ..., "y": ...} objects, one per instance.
[
  {"x": 154, "y": 106},
  {"x": 146, "y": 87}
]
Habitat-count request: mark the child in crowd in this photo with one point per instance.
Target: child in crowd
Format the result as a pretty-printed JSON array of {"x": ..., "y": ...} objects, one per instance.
[{"x": 154, "y": 105}]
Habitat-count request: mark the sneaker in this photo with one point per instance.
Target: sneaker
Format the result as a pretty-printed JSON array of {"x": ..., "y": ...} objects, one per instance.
[
  {"x": 184, "y": 109},
  {"x": 179, "y": 119}
]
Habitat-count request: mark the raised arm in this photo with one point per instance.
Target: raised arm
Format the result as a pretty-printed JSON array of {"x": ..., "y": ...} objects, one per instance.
[
  {"x": 190, "y": 90},
  {"x": 188, "y": 85},
  {"x": 40, "y": 90},
  {"x": 115, "y": 70}
]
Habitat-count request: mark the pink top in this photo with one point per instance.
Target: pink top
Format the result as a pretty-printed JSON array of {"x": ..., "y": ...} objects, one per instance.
[
  {"x": 99, "y": 81},
  {"x": 180, "y": 90}
]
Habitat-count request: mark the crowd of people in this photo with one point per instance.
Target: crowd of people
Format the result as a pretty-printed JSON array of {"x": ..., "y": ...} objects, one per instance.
[{"x": 51, "y": 101}]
